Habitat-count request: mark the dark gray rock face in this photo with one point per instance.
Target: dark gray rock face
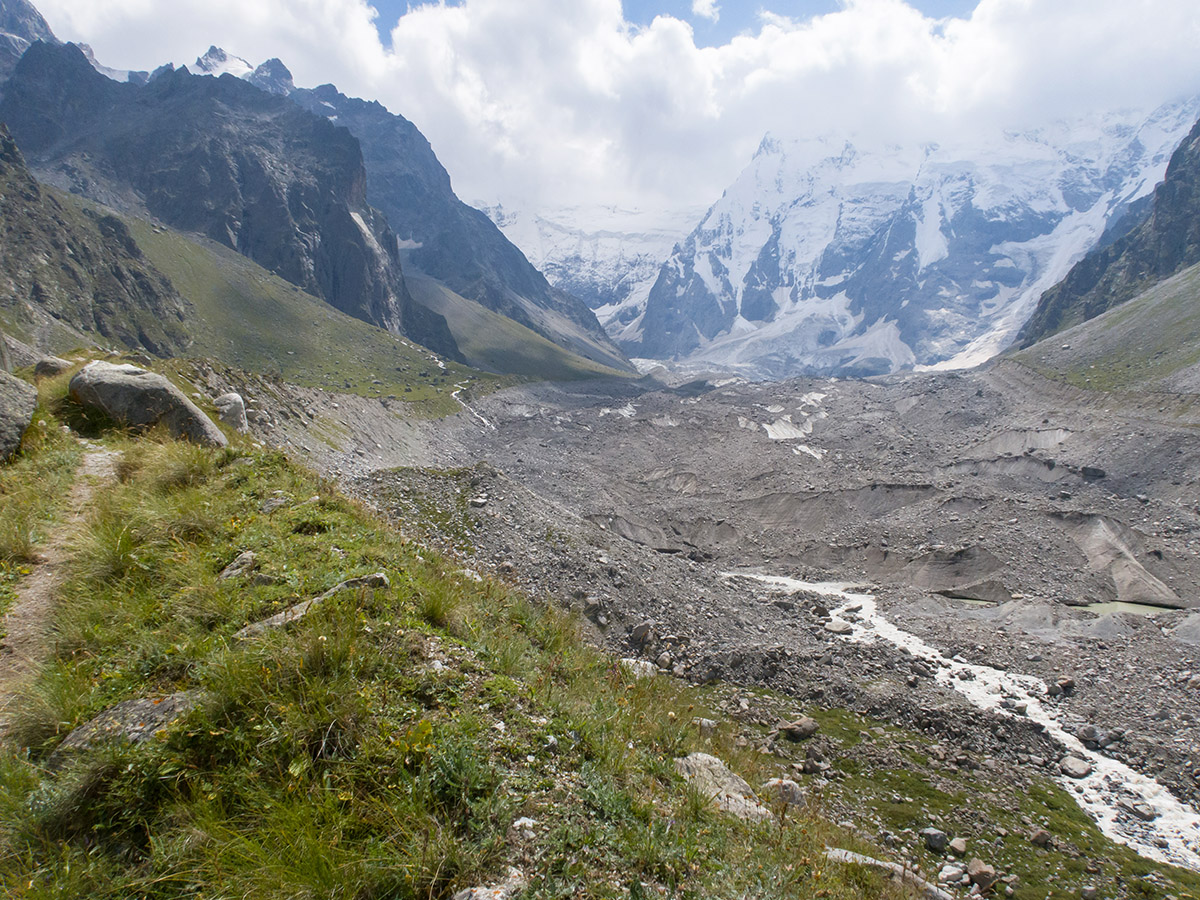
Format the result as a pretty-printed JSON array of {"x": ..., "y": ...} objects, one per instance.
[
  {"x": 449, "y": 240},
  {"x": 135, "y": 397},
  {"x": 220, "y": 157},
  {"x": 20, "y": 25},
  {"x": 79, "y": 268},
  {"x": 17, "y": 402},
  {"x": 1166, "y": 241}
]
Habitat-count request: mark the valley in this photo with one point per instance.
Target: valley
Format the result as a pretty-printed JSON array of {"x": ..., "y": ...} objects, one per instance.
[{"x": 1011, "y": 522}]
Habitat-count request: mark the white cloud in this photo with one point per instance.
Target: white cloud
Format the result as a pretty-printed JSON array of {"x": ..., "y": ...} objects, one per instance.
[
  {"x": 567, "y": 102},
  {"x": 706, "y": 9}
]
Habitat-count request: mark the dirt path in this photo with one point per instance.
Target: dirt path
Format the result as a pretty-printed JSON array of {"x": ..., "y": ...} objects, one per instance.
[{"x": 25, "y": 625}]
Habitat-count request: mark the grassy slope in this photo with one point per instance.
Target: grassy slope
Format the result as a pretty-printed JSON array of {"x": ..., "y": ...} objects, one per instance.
[
  {"x": 251, "y": 319},
  {"x": 1137, "y": 345},
  {"x": 498, "y": 344},
  {"x": 385, "y": 745}
]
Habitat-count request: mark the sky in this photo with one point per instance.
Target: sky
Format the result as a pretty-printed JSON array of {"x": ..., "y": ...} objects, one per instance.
[{"x": 659, "y": 104}]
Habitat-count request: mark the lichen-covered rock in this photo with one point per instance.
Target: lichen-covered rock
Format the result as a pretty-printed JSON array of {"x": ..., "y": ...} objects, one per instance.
[
  {"x": 17, "y": 403},
  {"x": 134, "y": 721},
  {"x": 137, "y": 398}
]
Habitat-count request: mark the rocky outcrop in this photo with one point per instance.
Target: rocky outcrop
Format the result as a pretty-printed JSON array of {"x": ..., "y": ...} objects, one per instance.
[
  {"x": 65, "y": 267},
  {"x": 17, "y": 403},
  {"x": 220, "y": 157},
  {"x": 1166, "y": 242},
  {"x": 140, "y": 399}
]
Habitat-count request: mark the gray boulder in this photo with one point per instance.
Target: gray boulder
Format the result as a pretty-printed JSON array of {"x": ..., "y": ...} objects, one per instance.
[
  {"x": 49, "y": 366},
  {"x": 18, "y": 400},
  {"x": 137, "y": 398},
  {"x": 231, "y": 409},
  {"x": 723, "y": 789}
]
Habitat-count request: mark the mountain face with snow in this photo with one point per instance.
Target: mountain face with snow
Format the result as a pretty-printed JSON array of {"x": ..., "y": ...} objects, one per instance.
[
  {"x": 1161, "y": 243},
  {"x": 608, "y": 257},
  {"x": 20, "y": 25},
  {"x": 826, "y": 257}
]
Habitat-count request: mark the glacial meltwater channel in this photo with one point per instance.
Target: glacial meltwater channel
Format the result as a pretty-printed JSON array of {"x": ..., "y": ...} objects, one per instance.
[{"x": 1107, "y": 794}]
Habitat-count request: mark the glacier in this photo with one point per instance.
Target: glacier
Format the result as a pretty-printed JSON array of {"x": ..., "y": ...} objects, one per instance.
[{"x": 847, "y": 257}]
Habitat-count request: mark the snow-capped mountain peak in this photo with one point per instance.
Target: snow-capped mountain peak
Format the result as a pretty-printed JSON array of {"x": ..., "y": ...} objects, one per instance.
[
  {"x": 843, "y": 256},
  {"x": 217, "y": 62}
]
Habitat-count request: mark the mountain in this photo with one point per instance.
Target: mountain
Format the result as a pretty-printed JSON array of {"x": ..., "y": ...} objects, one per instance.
[
  {"x": 221, "y": 158},
  {"x": 833, "y": 258},
  {"x": 68, "y": 275},
  {"x": 20, "y": 25},
  {"x": 444, "y": 238},
  {"x": 608, "y": 257},
  {"x": 1156, "y": 246}
]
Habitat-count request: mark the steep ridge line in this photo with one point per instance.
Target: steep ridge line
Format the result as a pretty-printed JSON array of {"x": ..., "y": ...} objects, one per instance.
[{"x": 24, "y": 625}]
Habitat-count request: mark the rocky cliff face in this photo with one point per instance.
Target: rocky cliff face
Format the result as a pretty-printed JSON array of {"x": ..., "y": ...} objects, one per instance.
[
  {"x": 827, "y": 257},
  {"x": 222, "y": 158},
  {"x": 444, "y": 237},
  {"x": 1156, "y": 246},
  {"x": 439, "y": 234},
  {"x": 60, "y": 266}
]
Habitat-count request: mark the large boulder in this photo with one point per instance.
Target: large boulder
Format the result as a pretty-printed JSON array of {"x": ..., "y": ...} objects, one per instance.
[
  {"x": 140, "y": 399},
  {"x": 17, "y": 402}
]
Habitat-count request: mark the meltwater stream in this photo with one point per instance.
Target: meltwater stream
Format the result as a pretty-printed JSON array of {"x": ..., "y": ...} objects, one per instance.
[{"x": 1173, "y": 836}]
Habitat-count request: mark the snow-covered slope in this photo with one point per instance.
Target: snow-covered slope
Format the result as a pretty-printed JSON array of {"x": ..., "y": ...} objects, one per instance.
[
  {"x": 609, "y": 257},
  {"x": 830, "y": 257}
]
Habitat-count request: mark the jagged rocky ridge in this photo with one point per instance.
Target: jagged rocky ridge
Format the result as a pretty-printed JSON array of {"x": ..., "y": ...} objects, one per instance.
[
  {"x": 441, "y": 236},
  {"x": 1159, "y": 244},
  {"x": 224, "y": 159},
  {"x": 65, "y": 269},
  {"x": 827, "y": 257}
]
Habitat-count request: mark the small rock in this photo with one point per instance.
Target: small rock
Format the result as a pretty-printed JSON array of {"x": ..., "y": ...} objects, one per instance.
[
  {"x": 981, "y": 874},
  {"x": 477, "y": 502},
  {"x": 231, "y": 409},
  {"x": 49, "y": 366},
  {"x": 1074, "y": 767},
  {"x": 641, "y": 632},
  {"x": 707, "y": 727},
  {"x": 514, "y": 882},
  {"x": 800, "y": 730},
  {"x": 837, "y": 626},
  {"x": 935, "y": 839},
  {"x": 958, "y": 846},
  {"x": 240, "y": 566},
  {"x": 1041, "y": 838},
  {"x": 951, "y": 874},
  {"x": 782, "y": 792},
  {"x": 1088, "y": 892}
]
